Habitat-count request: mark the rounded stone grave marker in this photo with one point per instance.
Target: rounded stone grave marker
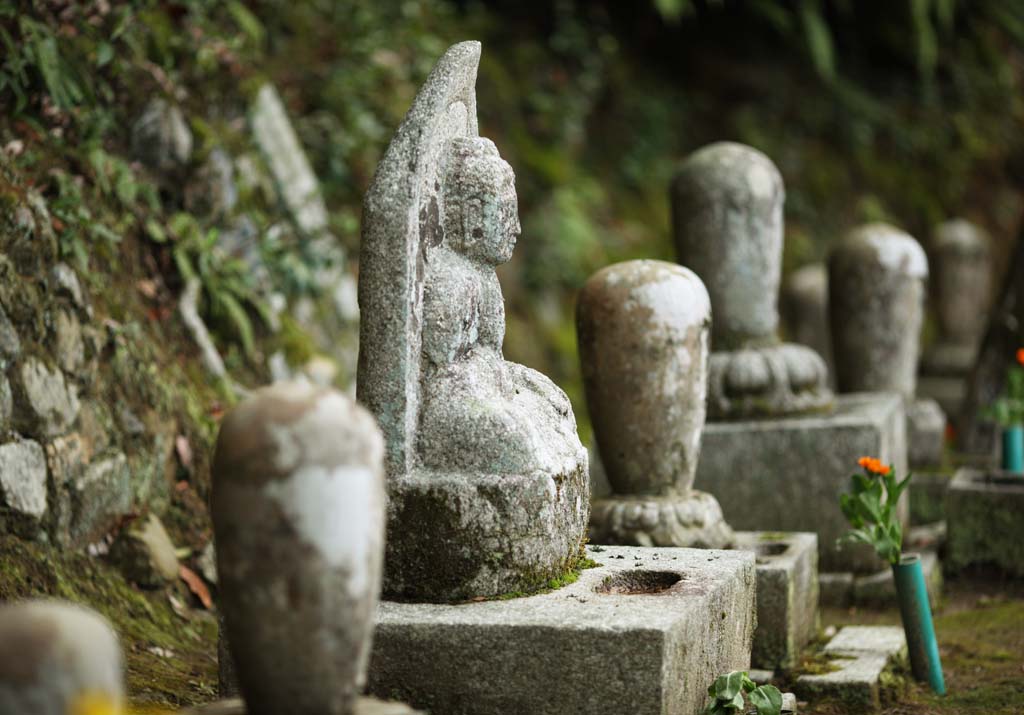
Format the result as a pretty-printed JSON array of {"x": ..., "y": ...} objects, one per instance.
[
  {"x": 877, "y": 276},
  {"x": 298, "y": 513},
  {"x": 58, "y": 658},
  {"x": 643, "y": 329},
  {"x": 963, "y": 288},
  {"x": 727, "y": 222}
]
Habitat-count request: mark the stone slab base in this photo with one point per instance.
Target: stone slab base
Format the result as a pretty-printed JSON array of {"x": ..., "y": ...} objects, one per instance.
[
  {"x": 860, "y": 654},
  {"x": 646, "y": 632},
  {"x": 984, "y": 521},
  {"x": 877, "y": 590},
  {"x": 364, "y": 706},
  {"x": 787, "y": 474},
  {"x": 948, "y": 392},
  {"x": 693, "y": 519},
  {"x": 926, "y": 433},
  {"x": 787, "y": 595},
  {"x": 928, "y": 496}
]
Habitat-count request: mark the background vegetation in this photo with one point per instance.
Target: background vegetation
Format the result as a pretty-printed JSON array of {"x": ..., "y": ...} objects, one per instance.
[{"x": 906, "y": 111}]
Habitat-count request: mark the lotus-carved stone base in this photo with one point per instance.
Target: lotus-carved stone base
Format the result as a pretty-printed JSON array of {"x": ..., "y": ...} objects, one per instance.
[
  {"x": 693, "y": 519},
  {"x": 773, "y": 380}
]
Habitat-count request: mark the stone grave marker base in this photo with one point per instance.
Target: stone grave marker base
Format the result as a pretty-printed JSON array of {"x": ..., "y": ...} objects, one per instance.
[
  {"x": 646, "y": 632},
  {"x": 786, "y": 474},
  {"x": 948, "y": 392},
  {"x": 926, "y": 433},
  {"x": 877, "y": 590},
  {"x": 983, "y": 516},
  {"x": 364, "y": 706},
  {"x": 787, "y": 594}
]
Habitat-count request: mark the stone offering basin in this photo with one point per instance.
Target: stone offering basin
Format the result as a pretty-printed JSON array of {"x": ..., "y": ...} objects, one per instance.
[
  {"x": 645, "y": 632},
  {"x": 983, "y": 515}
]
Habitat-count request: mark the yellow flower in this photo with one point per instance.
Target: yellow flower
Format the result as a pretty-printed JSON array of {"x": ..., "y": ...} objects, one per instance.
[{"x": 95, "y": 704}]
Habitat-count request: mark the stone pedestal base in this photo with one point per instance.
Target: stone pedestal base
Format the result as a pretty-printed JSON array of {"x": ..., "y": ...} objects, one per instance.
[
  {"x": 926, "y": 433},
  {"x": 877, "y": 590},
  {"x": 787, "y": 474},
  {"x": 456, "y": 536},
  {"x": 645, "y": 633},
  {"x": 787, "y": 595},
  {"x": 689, "y": 520},
  {"x": 983, "y": 515},
  {"x": 928, "y": 497},
  {"x": 948, "y": 392},
  {"x": 364, "y": 706}
]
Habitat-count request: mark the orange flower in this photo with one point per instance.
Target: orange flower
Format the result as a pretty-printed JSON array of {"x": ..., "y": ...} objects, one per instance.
[
  {"x": 1020, "y": 355},
  {"x": 874, "y": 466}
]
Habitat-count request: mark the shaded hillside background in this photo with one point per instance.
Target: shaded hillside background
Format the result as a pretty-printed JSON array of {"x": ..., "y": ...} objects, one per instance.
[{"x": 909, "y": 111}]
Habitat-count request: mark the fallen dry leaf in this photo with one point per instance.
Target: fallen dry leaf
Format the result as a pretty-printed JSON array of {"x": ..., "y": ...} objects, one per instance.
[
  {"x": 196, "y": 585},
  {"x": 184, "y": 450}
]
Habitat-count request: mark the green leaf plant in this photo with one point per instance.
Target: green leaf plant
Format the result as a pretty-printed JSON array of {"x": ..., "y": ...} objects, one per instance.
[
  {"x": 871, "y": 508},
  {"x": 1008, "y": 409},
  {"x": 727, "y": 695}
]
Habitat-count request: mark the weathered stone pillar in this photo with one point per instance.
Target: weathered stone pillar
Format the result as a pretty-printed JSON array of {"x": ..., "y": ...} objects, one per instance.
[
  {"x": 298, "y": 514},
  {"x": 803, "y": 305},
  {"x": 643, "y": 329},
  {"x": 877, "y": 279},
  {"x": 727, "y": 222}
]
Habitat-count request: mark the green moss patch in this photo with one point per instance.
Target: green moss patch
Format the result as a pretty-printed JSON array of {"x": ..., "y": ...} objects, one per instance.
[{"x": 171, "y": 657}]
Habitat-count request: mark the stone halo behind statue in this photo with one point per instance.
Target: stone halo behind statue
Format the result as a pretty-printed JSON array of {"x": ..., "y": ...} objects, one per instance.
[{"x": 487, "y": 479}]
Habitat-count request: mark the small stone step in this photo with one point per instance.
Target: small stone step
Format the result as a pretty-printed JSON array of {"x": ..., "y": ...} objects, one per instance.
[
  {"x": 364, "y": 706},
  {"x": 861, "y": 654}
]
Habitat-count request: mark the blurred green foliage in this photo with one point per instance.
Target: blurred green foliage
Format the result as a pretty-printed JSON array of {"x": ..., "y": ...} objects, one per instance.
[{"x": 906, "y": 111}]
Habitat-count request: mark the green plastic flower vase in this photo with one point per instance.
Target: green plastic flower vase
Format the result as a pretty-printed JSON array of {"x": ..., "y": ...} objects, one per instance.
[
  {"x": 916, "y": 613},
  {"x": 1013, "y": 449}
]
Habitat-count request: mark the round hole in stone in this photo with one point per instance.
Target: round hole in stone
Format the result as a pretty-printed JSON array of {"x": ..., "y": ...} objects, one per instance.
[
  {"x": 764, "y": 552},
  {"x": 631, "y": 583}
]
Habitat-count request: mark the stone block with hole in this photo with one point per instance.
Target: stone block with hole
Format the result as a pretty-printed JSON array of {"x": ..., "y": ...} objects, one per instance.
[
  {"x": 984, "y": 521},
  {"x": 645, "y": 632},
  {"x": 787, "y": 594},
  {"x": 859, "y": 656},
  {"x": 786, "y": 474}
]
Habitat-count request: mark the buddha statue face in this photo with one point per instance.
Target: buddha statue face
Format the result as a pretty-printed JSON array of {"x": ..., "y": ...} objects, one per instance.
[{"x": 481, "y": 209}]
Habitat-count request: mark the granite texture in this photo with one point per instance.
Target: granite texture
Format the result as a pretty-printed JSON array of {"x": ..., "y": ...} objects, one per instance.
[
  {"x": 983, "y": 513},
  {"x": 643, "y": 329},
  {"x": 962, "y": 291},
  {"x": 298, "y": 515},
  {"x": 787, "y": 595},
  {"x": 727, "y": 222},
  {"x": 54, "y": 654},
  {"x": 787, "y": 474},
  {"x": 487, "y": 479},
  {"x": 926, "y": 433},
  {"x": 645, "y": 632},
  {"x": 877, "y": 284}
]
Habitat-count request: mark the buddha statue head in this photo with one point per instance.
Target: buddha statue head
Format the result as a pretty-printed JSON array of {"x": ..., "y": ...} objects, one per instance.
[{"x": 481, "y": 210}]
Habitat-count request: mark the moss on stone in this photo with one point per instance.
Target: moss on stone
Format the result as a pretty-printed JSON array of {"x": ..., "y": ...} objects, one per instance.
[{"x": 171, "y": 658}]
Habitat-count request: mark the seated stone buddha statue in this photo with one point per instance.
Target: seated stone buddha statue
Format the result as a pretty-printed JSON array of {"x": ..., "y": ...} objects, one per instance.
[{"x": 481, "y": 412}]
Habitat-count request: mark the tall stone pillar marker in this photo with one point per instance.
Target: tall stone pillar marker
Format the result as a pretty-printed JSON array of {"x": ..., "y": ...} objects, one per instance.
[
  {"x": 643, "y": 329},
  {"x": 878, "y": 278},
  {"x": 298, "y": 515},
  {"x": 962, "y": 290},
  {"x": 727, "y": 223},
  {"x": 776, "y": 436},
  {"x": 487, "y": 479}
]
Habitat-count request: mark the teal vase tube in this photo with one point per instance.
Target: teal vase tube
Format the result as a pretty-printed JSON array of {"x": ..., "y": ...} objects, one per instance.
[
  {"x": 1013, "y": 449},
  {"x": 917, "y": 622}
]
